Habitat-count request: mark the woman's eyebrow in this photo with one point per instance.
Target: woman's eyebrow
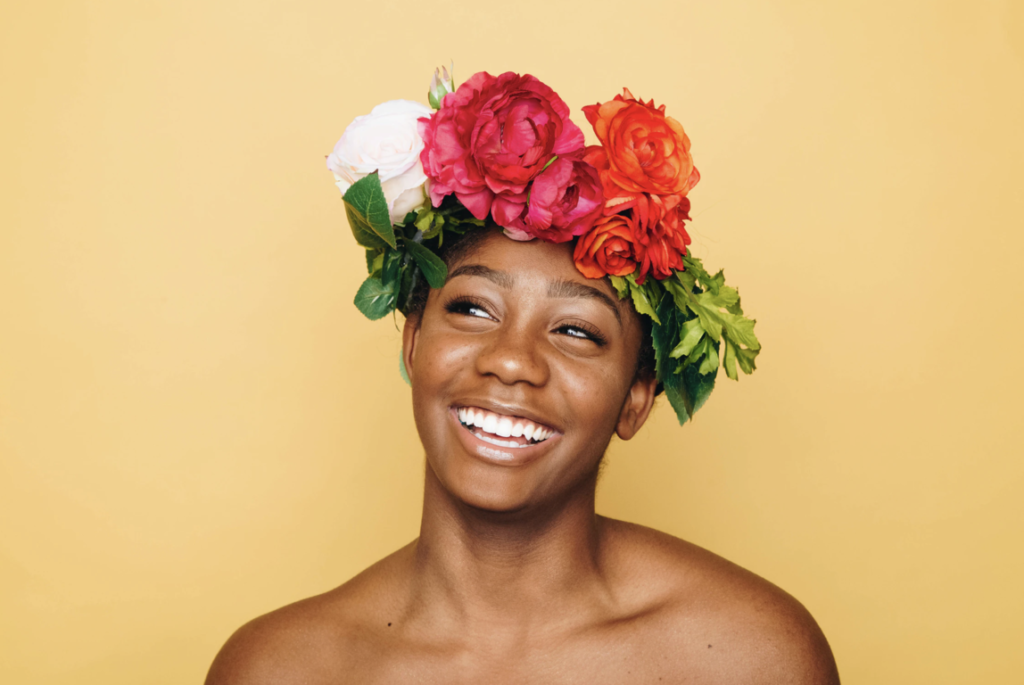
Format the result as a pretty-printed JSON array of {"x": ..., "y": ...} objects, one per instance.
[
  {"x": 564, "y": 288},
  {"x": 499, "y": 278}
]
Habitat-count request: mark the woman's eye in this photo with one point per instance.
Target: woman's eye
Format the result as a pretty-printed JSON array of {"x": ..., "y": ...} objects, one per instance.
[
  {"x": 467, "y": 308},
  {"x": 582, "y": 334}
]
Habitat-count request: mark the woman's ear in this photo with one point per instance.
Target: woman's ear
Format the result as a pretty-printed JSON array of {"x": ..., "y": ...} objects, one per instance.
[
  {"x": 636, "y": 408},
  {"x": 410, "y": 333}
]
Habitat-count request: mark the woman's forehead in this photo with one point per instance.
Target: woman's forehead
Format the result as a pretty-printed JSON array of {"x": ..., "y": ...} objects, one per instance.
[{"x": 524, "y": 263}]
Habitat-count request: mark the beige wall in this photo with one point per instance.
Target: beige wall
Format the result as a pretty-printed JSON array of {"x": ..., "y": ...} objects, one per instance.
[{"x": 196, "y": 426}]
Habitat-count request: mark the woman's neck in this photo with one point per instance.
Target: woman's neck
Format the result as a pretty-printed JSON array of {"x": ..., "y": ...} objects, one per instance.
[{"x": 507, "y": 567}]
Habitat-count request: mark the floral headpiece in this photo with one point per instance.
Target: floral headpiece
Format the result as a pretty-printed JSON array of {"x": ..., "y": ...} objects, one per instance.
[{"x": 503, "y": 149}]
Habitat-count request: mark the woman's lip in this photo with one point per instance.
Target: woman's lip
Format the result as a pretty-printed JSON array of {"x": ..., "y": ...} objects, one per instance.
[{"x": 494, "y": 454}]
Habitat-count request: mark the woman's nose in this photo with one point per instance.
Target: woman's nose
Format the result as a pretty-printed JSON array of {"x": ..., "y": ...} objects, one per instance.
[{"x": 514, "y": 355}]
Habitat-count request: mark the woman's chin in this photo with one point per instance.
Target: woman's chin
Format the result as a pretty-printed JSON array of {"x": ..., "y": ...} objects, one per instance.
[{"x": 489, "y": 489}]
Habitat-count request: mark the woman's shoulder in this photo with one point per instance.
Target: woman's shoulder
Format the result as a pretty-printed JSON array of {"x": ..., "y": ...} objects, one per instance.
[
  {"x": 312, "y": 640},
  {"x": 713, "y": 612}
]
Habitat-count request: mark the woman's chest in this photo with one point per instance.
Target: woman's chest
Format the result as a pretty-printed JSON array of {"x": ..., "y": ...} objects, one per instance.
[{"x": 614, "y": 657}]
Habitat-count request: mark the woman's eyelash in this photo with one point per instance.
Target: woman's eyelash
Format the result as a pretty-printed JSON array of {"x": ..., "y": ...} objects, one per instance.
[
  {"x": 589, "y": 333},
  {"x": 465, "y": 306}
]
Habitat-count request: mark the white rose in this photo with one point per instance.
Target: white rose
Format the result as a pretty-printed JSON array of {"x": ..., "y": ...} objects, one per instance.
[{"x": 387, "y": 141}]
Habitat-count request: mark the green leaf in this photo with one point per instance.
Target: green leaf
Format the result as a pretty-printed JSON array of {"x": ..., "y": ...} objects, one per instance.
[
  {"x": 435, "y": 228},
  {"x": 621, "y": 286},
  {"x": 430, "y": 264},
  {"x": 409, "y": 278},
  {"x": 730, "y": 360},
  {"x": 746, "y": 359},
  {"x": 710, "y": 318},
  {"x": 423, "y": 219},
  {"x": 741, "y": 330},
  {"x": 375, "y": 299},
  {"x": 392, "y": 264},
  {"x": 695, "y": 268},
  {"x": 367, "y": 211},
  {"x": 691, "y": 335},
  {"x": 664, "y": 336},
  {"x": 710, "y": 363},
  {"x": 401, "y": 368},
  {"x": 698, "y": 387},
  {"x": 722, "y": 296},
  {"x": 644, "y": 299},
  {"x": 374, "y": 261},
  {"x": 676, "y": 394}
]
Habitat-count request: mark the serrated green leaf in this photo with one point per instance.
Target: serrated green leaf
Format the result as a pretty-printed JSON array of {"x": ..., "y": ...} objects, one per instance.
[
  {"x": 437, "y": 224},
  {"x": 430, "y": 264},
  {"x": 691, "y": 334},
  {"x": 367, "y": 211},
  {"x": 730, "y": 360},
  {"x": 423, "y": 219},
  {"x": 715, "y": 283},
  {"x": 375, "y": 299},
  {"x": 710, "y": 363},
  {"x": 695, "y": 268},
  {"x": 643, "y": 299},
  {"x": 676, "y": 395},
  {"x": 741, "y": 330},
  {"x": 698, "y": 387},
  {"x": 710, "y": 318},
  {"x": 746, "y": 359},
  {"x": 699, "y": 351},
  {"x": 664, "y": 336},
  {"x": 686, "y": 279},
  {"x": 621, "y": 286},
  {"x": 723, "y": 296}
]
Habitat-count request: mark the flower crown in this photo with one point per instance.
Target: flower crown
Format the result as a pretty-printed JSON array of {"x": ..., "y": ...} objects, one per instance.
[{"x": 502, "y": 149}]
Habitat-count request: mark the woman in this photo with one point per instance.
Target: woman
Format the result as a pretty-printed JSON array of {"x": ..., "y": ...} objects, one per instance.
[{"x": 522, "y": 369}]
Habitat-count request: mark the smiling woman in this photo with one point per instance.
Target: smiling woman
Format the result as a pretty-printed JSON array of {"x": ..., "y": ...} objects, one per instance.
[{"x": 523, "y": 365}]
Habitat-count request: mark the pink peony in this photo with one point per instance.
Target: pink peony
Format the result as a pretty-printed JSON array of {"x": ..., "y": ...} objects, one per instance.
[
  {"x": 492, "y": 137},
  {"x": 565, "y": 201}
]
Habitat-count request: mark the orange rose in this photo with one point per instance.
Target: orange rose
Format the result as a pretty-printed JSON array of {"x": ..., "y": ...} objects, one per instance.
[
  {"x": 660, "y": 237},
  {"x": 607, "y": 248},
  {"x": 642, "y": 151}
]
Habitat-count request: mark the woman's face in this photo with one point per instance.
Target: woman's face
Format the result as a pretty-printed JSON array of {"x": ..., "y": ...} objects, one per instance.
[{"x": 522, "y": 369}]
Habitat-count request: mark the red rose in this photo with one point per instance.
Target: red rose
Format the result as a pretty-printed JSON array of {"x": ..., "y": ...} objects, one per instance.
[
  {"x": 492, "y": 137},
  {"x": 607, "y": 249},
  {"x": 565, "y": 200},
  {"x": 660, "y": 236},
  {"x": 641, "y": 151}
]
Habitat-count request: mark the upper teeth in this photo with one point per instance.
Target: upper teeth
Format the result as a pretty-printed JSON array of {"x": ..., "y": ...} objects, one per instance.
[{"x": 504, "y": 426}]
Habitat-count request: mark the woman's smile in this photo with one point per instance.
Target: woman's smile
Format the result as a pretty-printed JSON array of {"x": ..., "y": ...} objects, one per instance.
[{"x": 508, "y": 439}]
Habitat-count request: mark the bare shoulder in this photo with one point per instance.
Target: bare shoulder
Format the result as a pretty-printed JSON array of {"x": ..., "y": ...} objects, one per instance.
[
  {"x": 313, "y": 640},
  {"x": 737, "y": 626}
]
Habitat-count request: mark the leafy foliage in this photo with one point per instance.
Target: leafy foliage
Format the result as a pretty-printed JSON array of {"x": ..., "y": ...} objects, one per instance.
[
  {"x": 698, "y": 313},
  {"x": 398, "y": 256}
]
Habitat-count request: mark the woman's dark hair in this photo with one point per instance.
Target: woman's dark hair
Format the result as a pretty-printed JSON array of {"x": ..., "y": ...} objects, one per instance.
[{"x": 457, "y": 248}]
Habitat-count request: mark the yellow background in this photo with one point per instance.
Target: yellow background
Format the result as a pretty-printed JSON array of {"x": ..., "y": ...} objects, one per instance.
[{"x": 197, "y": 426}]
